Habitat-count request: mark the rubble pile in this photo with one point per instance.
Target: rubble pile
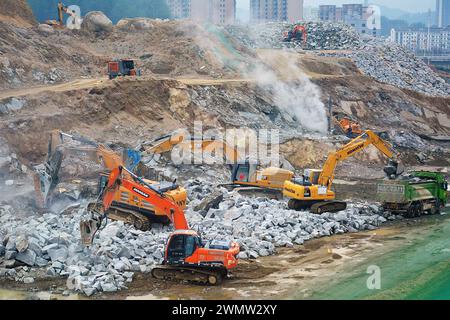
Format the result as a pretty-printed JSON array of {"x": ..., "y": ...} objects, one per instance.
[
  {"x": 384, "y": 61},
  {"x": 321, "y": 36},
  {"x": 52, "y": 241},
  {"x": 393, "y": 64}
]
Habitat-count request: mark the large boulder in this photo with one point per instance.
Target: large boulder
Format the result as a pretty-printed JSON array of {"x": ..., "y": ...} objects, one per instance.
[
  {"x": 131, "y": 24},
  {"x": 96, "y": 21},
  {"x": 45, "y": 29}
]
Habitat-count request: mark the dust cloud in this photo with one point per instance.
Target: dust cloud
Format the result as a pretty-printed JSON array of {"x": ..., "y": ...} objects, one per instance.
[{"x": 294, "y": 93}]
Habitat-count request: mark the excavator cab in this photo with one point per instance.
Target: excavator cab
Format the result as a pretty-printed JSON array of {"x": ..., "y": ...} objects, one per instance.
[
  {"x": 243, "y": 172},
  {"x": 181, "y": 246}
]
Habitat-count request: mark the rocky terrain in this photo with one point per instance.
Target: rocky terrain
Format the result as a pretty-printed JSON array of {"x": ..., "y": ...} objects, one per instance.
[{"x": 232, "y": 77}]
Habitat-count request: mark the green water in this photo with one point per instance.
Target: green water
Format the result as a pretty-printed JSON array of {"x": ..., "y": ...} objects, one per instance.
[{"x": 413, "y": 265}]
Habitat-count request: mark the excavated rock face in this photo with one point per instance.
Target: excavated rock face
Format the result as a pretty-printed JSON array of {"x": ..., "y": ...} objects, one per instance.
[
  {"x": 17, "y": 12},
  {"x": 96, "y": 21}
]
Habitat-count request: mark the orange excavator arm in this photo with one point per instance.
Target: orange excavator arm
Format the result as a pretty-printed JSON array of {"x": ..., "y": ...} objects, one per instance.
[{"x": 143, "y": 191}]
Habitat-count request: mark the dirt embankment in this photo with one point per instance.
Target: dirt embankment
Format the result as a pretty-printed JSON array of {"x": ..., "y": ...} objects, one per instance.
[{"x": 16, "y": 12}]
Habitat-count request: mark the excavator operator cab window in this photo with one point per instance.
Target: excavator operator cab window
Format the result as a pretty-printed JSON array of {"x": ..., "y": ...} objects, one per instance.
[
  {"x": 181, "y": 246},
  {"x": 128, "y": 64},
  {"x": 241, "y": 173}
]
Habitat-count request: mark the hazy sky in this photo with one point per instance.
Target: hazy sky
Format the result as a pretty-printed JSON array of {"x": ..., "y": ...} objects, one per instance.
[{"x": 407, "y": 5}]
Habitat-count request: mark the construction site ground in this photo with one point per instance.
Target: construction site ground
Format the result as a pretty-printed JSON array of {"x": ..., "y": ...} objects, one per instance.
[
  {"x": 302, "y": 272},
  {"x": 197, "y": 73}
]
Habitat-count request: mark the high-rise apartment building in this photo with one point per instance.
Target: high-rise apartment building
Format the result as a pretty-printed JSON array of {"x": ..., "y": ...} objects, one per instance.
[
  {"x": 213, "y": 11},
  {"x": 276, "y": 10},
  {"x": 443, "y": 13}
]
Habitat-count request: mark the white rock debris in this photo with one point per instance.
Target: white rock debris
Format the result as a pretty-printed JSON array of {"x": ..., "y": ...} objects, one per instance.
[{"x": 260, "y": 225}]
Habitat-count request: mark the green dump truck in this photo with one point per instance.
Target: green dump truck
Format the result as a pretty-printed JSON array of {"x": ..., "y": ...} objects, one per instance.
[{"x": 419, "y": 193}]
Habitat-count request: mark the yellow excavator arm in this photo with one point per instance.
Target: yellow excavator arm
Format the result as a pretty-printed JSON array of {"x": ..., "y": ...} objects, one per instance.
[
  {"x": 350, "y": 149},
  {"x": 206, "y": 146},
  {"x": 314, "y": 192}
]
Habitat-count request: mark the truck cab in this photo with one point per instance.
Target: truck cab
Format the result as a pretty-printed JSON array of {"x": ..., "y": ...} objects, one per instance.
[{"x": 122, "y": 67}]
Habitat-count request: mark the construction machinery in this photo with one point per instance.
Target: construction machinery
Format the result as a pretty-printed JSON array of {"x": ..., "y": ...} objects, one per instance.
[
  {"x": 125, "y": 207},
  {"x": 313, "y": 190},
  {"x": 247, "y": 177},
  {"x": 192, "y": 146},
  {"x": 349, "y": 127},
  {"x": 298, "y": 33},
  {"x": 62, "y": 9},
  {"x": 121, "y": 67},
  {"x": 418, "y": 193},
  {"x": 186, "y": 256}
]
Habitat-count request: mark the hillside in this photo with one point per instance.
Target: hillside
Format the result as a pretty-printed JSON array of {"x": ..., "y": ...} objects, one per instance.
[{"x": 16, "y": 12}]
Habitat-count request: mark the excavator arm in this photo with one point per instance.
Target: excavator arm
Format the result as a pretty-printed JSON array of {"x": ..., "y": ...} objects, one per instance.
[
  {"x": 206, "y": 146},
  {"x": 350, "y": 149},
  {"x": 46, "y": 175}
]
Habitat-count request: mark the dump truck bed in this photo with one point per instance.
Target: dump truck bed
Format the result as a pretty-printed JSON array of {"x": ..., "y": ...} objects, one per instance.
[{"x": 420, "y": 192}]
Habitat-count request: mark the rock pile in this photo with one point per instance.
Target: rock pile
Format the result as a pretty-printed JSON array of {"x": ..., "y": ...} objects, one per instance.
[
  {"x": 321, "y": 36},
  {"x": 393, "y": 64},
  {"x": 260, "y": 225},
  {"x": 384, "y": 61}
]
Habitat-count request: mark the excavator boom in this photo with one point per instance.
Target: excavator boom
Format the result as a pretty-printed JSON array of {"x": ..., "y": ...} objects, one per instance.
[
  {"x": 350, "y": 149},
  {"x": 145, "y": 191}
]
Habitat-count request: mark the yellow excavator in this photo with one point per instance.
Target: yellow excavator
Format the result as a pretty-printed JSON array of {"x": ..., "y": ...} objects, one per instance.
[
  {"x": 60, "y": 22},
  {"x": 125, "y": 206},
  {"x": 246, "y": 176},
  {"x": 191, "y": 145},
  {"x": 313, "y": 190}
]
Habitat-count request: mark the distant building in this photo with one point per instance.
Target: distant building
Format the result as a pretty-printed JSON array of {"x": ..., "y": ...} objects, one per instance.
[
  {"x": 276, "y": 10},
  {"x": 443, "y": 13},
  {"x": 327, "y": 13},
  {"x": 355, "y": 15},
  {"x": 311, "y": 13},
  {"x": 432, "y": 41},
  {"x": 213, "y": 11},
  {"x": 352, "y": 11}
]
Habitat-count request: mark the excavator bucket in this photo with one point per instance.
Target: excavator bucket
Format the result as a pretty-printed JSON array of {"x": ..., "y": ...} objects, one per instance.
[
  {"x": 46, "y": 177},
  {"x": 394, "y": 169},
  {"x": 88, "y": 229}
]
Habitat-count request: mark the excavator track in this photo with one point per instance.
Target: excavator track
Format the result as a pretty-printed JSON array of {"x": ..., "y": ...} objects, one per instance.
[
  {"x": 210, "y": 276},
  {"x": 255, "y": 191},
  {"x": 317, "y": 207},
  {"x": 328, "y": 206},
  {"x": 138, "y": 220}
]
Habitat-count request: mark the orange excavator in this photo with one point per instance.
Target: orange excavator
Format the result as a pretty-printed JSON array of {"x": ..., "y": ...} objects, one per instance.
[
  {"x": 298, "y": 33},
  {"x": 125, "y": 207},
  {"x": 186, "y": 256}
]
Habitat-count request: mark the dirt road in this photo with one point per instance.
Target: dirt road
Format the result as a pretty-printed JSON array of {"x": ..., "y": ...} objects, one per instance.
[{"x": 67, "y": 86}]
